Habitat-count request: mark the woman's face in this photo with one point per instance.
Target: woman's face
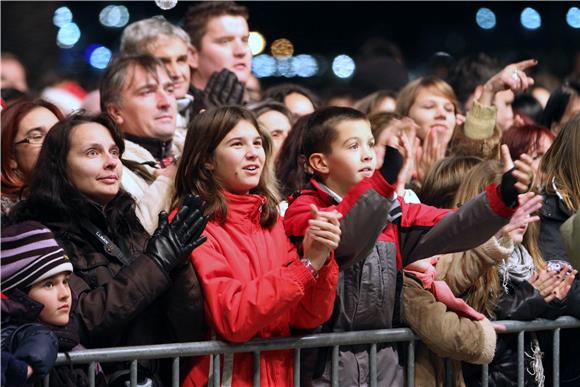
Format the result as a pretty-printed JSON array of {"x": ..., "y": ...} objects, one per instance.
[
  {"x": 93, "y": 165},
  {"x": 433, "y": 111},
  {"x": 239, "y": 159},
  {"x": 278, "y": 125},
  {"x": 543, "y": 145},
  {"x": 34, "y": 126}
]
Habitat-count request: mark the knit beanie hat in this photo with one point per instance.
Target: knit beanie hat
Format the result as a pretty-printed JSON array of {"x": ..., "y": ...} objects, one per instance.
[{"x": 29, "y": 254}]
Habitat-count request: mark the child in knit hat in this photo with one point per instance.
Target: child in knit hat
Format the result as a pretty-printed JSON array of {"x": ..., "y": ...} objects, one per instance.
[{"x": 36, "y": 301}]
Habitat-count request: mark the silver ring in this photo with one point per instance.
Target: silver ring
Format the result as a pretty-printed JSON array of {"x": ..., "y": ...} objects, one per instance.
[{"x": 515, "y": 75}]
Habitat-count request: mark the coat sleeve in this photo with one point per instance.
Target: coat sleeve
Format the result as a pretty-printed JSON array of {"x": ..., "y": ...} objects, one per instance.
[
  {"x": 523, "y": 302},
  {"x": 316, "y": 306},
  {"x": 105, "y": 310},
  {"x": 461, "y": 270},
  {"x": 444, "y": 332},
  {"x": 236, "y": 309},
  {"x": 365, "y": 207},
  {"x": 36, "y": 345},
  {"x": 426, "y": 231}
]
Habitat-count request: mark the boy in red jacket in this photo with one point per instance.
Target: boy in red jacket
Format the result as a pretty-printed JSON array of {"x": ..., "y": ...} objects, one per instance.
[{"x": 380, "y": 232}]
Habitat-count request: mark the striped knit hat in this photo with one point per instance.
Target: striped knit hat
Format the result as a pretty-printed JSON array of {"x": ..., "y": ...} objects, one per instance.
[{"x": 29, "y": 255}]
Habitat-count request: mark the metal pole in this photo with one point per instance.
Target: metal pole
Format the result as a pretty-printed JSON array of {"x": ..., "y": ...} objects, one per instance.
[
  {"x": 92, "y": 374},
  {"x": 484, "y": 375},
  {"x": 256, "y": 368},
  {"x": 175, "y": 373},
  {"x": 334, "y": 378},
  {"x": 556, "y": 357},
  {"x": 217, "y": 372},
  {"x": 411, "y": 364},
  {"x": 297, "y": 367},
  {"x": 373, "y": 364},
  {"x": 521, "y": 359},
  {"x": 134, "y": 373}
]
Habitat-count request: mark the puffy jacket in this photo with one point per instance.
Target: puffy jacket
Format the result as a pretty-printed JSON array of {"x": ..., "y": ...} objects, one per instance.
[
  {"x": 380, "y": 234},
  {"x": 552, "y": 215},
  {"x": 125, "y": 303},
  {"x": 255, "y": 286}
]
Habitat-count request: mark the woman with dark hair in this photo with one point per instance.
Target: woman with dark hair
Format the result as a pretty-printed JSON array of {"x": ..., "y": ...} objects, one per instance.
[
  {"x": 254, "y": 281},
  {"x": 563, "y": 103},
  {"x": 535, "y": 140},
  {"x": 527, "y": 109},
  {"x": 24, "y": 126},
  {"x": 131, "y": 289},
  {"x": 298, "y": 99},
  {"x": 276, "y": 119},
  {"x": 291, "y": 163}
]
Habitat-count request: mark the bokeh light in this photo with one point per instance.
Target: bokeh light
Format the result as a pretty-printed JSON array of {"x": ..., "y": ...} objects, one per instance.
[
  {"x": 100, "y": 57},
  {"x": 573, "y": 17},
  {"x": 285, "y": 67},
  {"x": 305, "y": 65},
  {"x": 263, "y": 66},
  {"x": 166, "y": 4},
  {"x": 530, "y": 19},
  {"x": 343, "y": 66},
  {"x": 68, "y": 35},
  {"x": 282, "y": 48},
  {"x": 62, "y": 16},
  {"x": 485, "y": 18},
  {"x": 256, "y": 42},
  {"x": 114, "y": 16}
]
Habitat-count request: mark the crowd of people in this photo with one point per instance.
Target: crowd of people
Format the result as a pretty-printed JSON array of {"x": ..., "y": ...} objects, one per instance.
[{"x": 182, "y": 204}]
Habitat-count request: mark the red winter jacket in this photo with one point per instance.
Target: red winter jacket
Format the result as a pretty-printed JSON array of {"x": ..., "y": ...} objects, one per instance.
[
  {"x": 255, "y": 286},
  {"x": 381, "y": 234}
]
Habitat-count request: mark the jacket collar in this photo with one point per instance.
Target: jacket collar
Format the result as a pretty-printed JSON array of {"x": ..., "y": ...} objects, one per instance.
[
  {"x": 317, "y": 188},
  {"x": 158, "y": 149},
  {"x": 242, "y": 208},
  {"x": 18, "y": 307}
]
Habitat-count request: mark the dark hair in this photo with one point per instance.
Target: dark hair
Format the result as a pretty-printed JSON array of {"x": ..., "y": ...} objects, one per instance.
[
  {"x": 53, "y": 197},
  {"x": 321, "y": 128},
  {"x": 470, "y": 72},
  {"x": 11, "y": 116},
  {"x": 291, "y": 162},
  {"x": 120, "y": 73},
  {"x": 558, "y": 102},
  {"x": 204, "y": 134},
  {"x": 279, "y": 92},
  {"x": 199, "y": 15},
  {"x": 380, "y": 120},
  {"x": 525, "y": 138},
  {"x": 267, "y": 105},
  {"x": 369, "y": 103},
  {"x": 444, "y": 178},
  {"x": 528, "y": 107}
]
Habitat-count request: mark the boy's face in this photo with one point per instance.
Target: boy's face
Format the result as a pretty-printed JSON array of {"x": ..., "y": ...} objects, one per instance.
[
  {"x": 352, "y": 157},
  {"x": 54, "y": 293}
]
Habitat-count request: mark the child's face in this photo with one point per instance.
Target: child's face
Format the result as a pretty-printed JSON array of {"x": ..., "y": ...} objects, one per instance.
[
  {"x": 239, "y": 159},
  {"x": 352, "y": 156},
  {"x": 54, "y": 293}
]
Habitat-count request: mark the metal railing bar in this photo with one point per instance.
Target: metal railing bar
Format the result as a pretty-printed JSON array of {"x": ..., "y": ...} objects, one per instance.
[
  {"x": 373, "y": 365},
  {"x": 175, "y": 372},
  {"x": 297, "y": 367},
  {"x": 134, "y": 373},
  {"x": 484, "y": 375},
  {"x": 256, "y": 355},
  {"x": 411, "y": 364},
  {"x": 556, "y": 358},
  {"x": 335, "y": 377},
  {"x": 521, "y": 359}
]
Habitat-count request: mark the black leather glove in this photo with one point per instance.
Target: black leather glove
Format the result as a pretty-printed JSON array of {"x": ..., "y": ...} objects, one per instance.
[
  {"x": 507, "y": 189},
  {"x": 223, "y": 88},
  {"x": 172, "y": 243},
  {"x": 392, "y": 164}
]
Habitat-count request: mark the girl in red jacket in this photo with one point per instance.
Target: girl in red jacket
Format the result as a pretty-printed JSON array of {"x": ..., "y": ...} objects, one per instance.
[{"x": 255, "y": 283}]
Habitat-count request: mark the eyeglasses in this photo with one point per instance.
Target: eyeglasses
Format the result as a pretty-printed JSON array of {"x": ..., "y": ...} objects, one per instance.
[{"x": 35, "y": 138}]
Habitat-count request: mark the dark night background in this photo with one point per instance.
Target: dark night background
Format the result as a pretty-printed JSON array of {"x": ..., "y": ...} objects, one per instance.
[{"x": 324, "y": 29}]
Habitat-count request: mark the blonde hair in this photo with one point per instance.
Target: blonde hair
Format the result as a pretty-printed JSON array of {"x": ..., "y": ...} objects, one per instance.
[{"x": 409, "y": 93}]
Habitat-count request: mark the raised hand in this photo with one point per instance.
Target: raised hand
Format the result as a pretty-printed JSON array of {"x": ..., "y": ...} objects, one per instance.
[
  {"x": 172, "y": 243},
  {"x": 512, "y": 77},
  {"x": 322, "y": 236},
  {"x": 517, "y": 177},
  {"x": 528, "y": 204},
  {"x": 433, "y": 150}
]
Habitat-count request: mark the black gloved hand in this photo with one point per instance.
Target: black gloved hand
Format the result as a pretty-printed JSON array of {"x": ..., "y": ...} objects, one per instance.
[
  {"x": 507, "y": 189},
  {"x": 172, "y": 243},
  {"x": 223, "y": 88},
  {"x": 392, "y": 164}
]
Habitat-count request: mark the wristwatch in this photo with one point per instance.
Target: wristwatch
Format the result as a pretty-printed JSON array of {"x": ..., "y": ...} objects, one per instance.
[{"x": 310, "y": 267}]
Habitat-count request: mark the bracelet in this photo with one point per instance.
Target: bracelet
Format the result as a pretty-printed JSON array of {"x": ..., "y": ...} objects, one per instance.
[{"x": 310, "y": 267}]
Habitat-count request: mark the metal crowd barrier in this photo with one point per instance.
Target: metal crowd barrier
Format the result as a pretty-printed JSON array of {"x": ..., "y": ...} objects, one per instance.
[{"x": 334, "y": 340}]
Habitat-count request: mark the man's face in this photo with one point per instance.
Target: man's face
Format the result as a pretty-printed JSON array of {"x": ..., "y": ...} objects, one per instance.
[
  {"x": 13, "y": 75},
  {"x": 148, "y": 107},
  {"x": 224, "y": 45},
  {"x": 175, "y": 55}
]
